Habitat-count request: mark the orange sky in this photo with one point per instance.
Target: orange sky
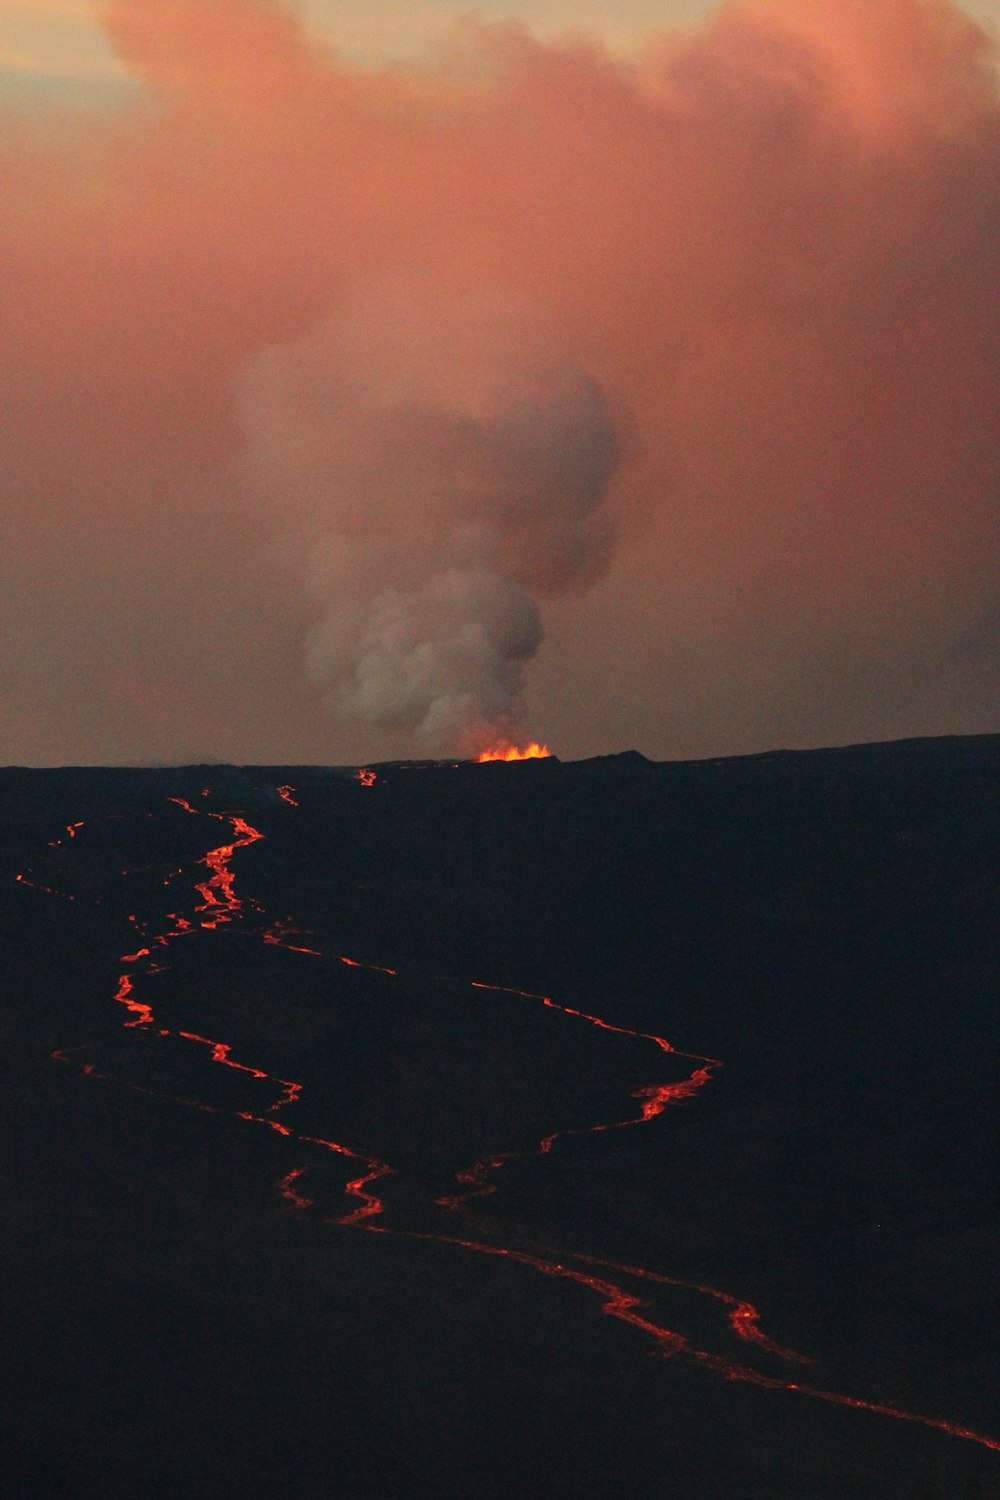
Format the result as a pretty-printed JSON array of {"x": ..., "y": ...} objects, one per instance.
[
  {"x": 54, "y": 51},
  {"x": 325, "y": 391}
]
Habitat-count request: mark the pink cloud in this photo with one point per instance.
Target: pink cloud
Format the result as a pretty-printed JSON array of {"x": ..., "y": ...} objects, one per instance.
[{"x": 286, "y": 342}]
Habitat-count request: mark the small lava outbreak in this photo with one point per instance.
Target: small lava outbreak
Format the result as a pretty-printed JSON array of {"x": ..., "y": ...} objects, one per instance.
[{"x": 363, "y": 1193}]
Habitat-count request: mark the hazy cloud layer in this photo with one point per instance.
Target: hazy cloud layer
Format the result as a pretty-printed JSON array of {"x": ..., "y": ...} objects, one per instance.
[{"x": 323, "y": 391}]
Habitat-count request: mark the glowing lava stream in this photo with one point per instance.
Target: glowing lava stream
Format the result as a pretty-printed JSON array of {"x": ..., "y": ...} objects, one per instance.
[
  {"x": 220, "y": 906},
  {"x": 656, "y": 1097}
]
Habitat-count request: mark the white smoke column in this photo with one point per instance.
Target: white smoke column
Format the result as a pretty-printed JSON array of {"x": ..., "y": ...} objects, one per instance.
[{"x": 437, "y": 469}]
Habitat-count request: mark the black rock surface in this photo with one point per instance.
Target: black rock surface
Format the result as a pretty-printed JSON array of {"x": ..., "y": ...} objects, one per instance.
[{"x": 179, "y": 1323}]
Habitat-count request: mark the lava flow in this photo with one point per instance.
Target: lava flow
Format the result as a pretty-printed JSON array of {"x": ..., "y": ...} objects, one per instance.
[
  {"x": 219, "y": 906},
  {"x": 655, "y": 1098},
  {"x": 216, "y": 905},
  {"x": 505, "y": 751}
]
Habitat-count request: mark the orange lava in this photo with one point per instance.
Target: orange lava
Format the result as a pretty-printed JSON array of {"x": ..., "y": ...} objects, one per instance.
[
  {"x": 142, "y": 1014},
  {"x": 655, "y": 1097},
  {"x": 505, "y": 751},
  {"x": 367, "y": 776},
  {"x": 286, "y": 1187},
  {"x": 220, "y": 905},
  {"x": 279, "y": 933},
  {"x": 355, "y": 963},
  {"x": 370, "y": 1204},
  {"x": 743, "y": 1317},
  {"x": 220, "y": 901},
  {"x": 46, "y": 890},
  {"x": 71, "y": 830}
]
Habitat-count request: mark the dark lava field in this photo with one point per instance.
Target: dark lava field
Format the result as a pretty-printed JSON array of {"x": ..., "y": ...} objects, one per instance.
[{"x": 604, "y": 1130}]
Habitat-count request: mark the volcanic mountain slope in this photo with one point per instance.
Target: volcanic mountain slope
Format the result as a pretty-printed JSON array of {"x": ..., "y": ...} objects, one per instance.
[{"x": 579, "y": 1130}]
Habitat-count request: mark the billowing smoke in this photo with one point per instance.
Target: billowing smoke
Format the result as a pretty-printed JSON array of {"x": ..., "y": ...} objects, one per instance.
[
  {"x": 438, "y": 469},
  {"x": 324, "y": 392}
]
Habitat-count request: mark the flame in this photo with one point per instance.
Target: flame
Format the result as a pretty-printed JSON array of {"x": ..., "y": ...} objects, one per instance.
[{"x": 505, "y": 751}]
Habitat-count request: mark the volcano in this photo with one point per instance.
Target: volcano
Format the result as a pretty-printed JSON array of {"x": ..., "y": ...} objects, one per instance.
[{"x": 572, "y": 1129}]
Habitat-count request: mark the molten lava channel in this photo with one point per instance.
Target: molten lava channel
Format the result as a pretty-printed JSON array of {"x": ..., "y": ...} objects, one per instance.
[{"x": 220, "y": 906}]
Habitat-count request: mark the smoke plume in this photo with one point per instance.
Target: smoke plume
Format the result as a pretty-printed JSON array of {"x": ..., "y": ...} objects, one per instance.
[
  {"x": 439, "y": 470},
  {"x": 325, "y": 392}
]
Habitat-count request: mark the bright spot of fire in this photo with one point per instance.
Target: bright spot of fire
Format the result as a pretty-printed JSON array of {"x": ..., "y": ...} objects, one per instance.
[
  {"x": 367, "y": 777},
  {"x": 513, "y": 752}
]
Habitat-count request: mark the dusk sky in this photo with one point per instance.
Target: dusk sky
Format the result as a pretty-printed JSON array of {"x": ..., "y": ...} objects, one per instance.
[{"x": 379, "y": 379}]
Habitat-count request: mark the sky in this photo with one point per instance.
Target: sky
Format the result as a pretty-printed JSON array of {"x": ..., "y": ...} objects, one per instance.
[{"x": 387, "y": 380}]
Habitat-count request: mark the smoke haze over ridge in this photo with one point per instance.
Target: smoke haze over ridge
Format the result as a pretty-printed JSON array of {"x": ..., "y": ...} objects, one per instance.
[
  {"x": 438, "y": 481},
  {"x": 325, "y": 392}
]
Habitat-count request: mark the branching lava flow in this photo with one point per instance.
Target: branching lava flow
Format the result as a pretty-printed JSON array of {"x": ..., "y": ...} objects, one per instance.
[{"x": 623, "y": 1290}]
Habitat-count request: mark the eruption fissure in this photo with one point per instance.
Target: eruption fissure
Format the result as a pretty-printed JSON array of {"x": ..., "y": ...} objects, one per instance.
[
  {"x": 219, "y": 906},
  {"x": 532, "y": 751}
]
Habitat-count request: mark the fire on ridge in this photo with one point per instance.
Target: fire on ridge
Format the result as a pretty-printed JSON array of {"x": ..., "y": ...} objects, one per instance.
[
  {"x": 506, "y": 751},
  {"x": 500, "y": 750}
]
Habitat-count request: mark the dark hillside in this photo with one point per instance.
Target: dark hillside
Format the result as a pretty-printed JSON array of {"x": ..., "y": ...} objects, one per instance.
[{"x": 197, "y": 1304}]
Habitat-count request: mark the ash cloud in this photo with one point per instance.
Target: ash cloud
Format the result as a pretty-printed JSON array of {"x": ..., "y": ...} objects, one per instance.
[{"x": 325, "y": 392}]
